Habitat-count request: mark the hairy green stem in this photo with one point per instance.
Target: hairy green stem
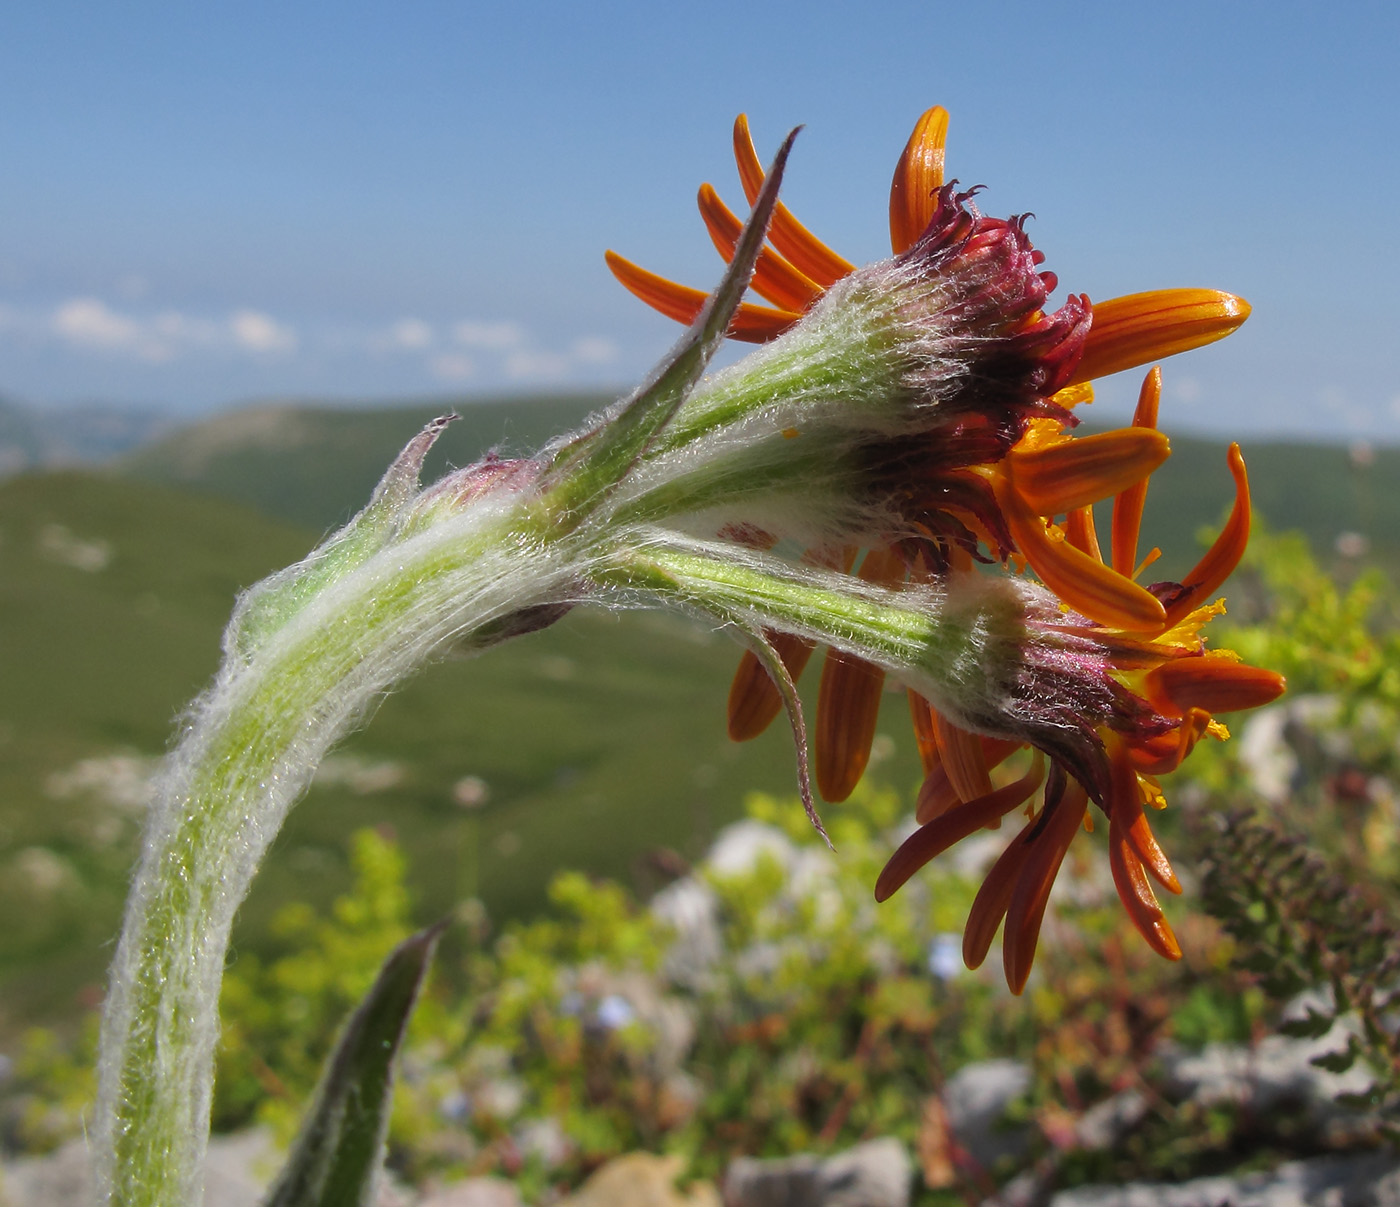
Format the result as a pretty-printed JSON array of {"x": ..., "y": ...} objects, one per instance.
[{"x": 252, "y": 745}]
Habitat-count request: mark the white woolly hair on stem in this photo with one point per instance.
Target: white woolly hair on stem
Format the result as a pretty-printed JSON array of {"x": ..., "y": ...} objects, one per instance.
[
  {"x": 487, "y": 553},
  {"x": 250, "y": 745}
]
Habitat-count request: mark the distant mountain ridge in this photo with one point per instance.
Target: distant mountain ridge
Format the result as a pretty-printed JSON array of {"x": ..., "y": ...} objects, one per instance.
[
  {"x": 315, "y": 465},
  {"x": 34, "y": 438}
]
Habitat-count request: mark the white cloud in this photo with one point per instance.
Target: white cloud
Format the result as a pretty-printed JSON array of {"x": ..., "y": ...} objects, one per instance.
[
  {"x": 1185, "y": 389},
  {"x": 411, "y": 335},
  {"x": 594, "y": 350},
  {"x": 536, "y": 362},
  {"x": 258, "y": 332},
  {"x": 496, "y": 336},
  {"x": 91, "y": 323},
  {"x": 453, "y": 366}
]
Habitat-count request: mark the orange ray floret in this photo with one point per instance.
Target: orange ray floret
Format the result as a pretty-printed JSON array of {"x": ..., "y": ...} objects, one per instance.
[
  {"x": 1224, "y": 555},
  {"x": 848, "y": 704},
  {"x": 1128, "y": 506},
  {"x": 1126, "y": 810},
  {"x": 931, "y": 840},
  {"x": 1082, "y": 581},
  {"x": 1142, "y": 327},
  {"x": 1050, "y": 839},
  {"x": 753, "y": 699},
  {"x": 964, "y": 761},
  {"x": 773, "y": 277},
  {"x": 751, "y": 324},
  {"x": 994, "y": 898},
  {"x": 1137, "y": 896},
  {"x": 1080, "y": 532},
  {"x": 917, "y": 178},
  {"x": 1215, "y": 682},
  {"x": 1159, "y": 755},
  {"x": 921, "y": 713},
  {"x": 1059, "y": 477},
  {"x": 807, "y": 253}
]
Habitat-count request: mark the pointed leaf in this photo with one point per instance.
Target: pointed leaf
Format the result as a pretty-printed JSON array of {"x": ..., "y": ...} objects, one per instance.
[
  {"x": 336, "y": 1157},
  {"x": 601, "y": 457}
]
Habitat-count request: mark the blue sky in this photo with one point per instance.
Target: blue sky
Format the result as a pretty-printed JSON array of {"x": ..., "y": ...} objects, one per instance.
[{"x": 210, "y": 203}]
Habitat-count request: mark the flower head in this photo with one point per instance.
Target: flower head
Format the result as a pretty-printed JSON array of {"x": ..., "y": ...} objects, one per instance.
[{"x": 959, "y": 450}]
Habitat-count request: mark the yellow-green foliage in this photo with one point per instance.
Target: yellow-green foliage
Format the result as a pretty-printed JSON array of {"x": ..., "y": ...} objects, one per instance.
[{"x": 280, "y": 1017}]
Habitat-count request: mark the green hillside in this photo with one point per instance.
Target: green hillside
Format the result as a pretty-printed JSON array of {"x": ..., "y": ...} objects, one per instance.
[
  {"x": 599, "y": 741},
  {"x": 316, "y": 465}
]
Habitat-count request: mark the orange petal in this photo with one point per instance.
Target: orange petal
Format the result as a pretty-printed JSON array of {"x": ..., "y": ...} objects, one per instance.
[
  {"x": 1057, "y": 478},
  {"x": 751, "y": 324},
  {"x": 847, "y": 709},
  {"x": 1137, "y": 895},
  {"x": 964, "y": 761},
  {"x": 921, "y": 711},
  {"x": 753, "y": 698},
  {"x": 1143, "y": 327},
  {"x": 1026, "y": 910},
  {"x": 1223, "y": 556},
  {"x": 936, "y": 796},
  {"x": 1085, "y": 584},
  {"x": 1127, "y": 507},
  {"x": 917, "y": 178},
  {"x": 848, "y": 705},
  {"x": 1079, "y": 532},
  {"x": 773, "y": 277},
  {"x": 994, "y": 897},
  {"x": 1211, "y": 682},
  {"x": 937, "y": 836},
  {"x": 1159, "y": 755},
  {"x": 808, "y": 254},
  {"x": 1125, "y": 810}
]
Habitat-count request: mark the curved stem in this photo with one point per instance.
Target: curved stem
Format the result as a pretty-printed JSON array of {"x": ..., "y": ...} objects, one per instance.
[{"x": 251, "y": 746}]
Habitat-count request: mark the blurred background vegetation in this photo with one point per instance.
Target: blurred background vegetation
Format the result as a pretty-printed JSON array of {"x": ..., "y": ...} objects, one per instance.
[{"x": 544, "y": 793}]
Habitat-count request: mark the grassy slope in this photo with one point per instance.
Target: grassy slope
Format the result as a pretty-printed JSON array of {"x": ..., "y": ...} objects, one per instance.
[
  {"x": 314, "y": 466},
  {"x": 601, "y": 739},
  {"x": 317, "y": 465}
]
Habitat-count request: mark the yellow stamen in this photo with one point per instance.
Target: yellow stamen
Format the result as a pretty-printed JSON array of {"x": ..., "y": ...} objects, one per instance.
[{"x": 1143, "y": 327}]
